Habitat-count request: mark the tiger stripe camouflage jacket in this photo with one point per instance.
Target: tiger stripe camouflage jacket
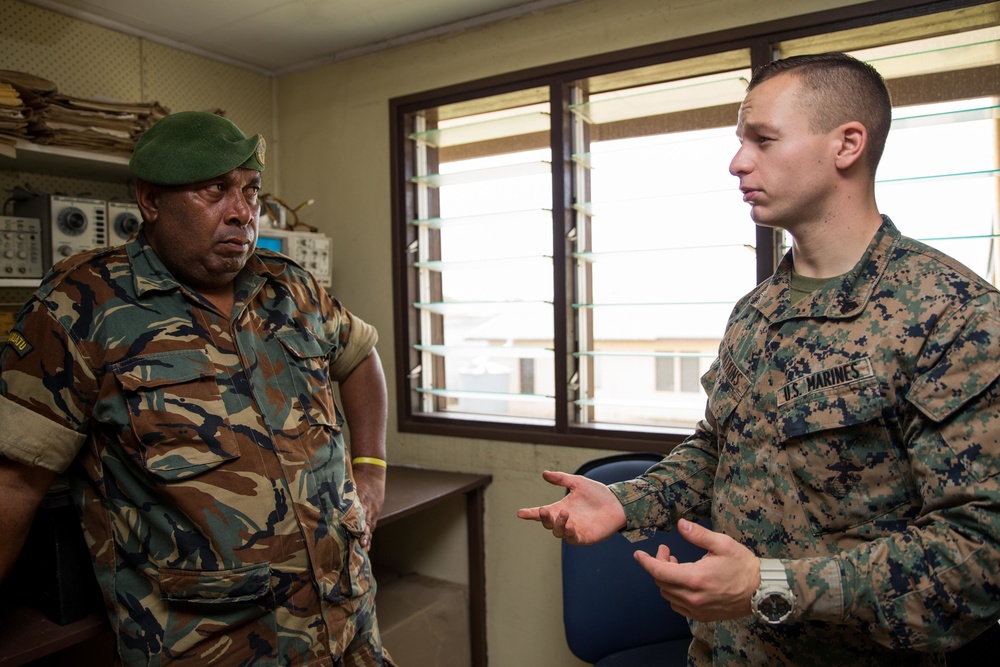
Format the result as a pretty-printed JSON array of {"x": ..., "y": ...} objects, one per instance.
[{"x": 204, "y": 451}]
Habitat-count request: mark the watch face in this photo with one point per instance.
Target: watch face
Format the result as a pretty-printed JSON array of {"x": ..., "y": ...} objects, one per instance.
[{"x": 774, "y": 606}]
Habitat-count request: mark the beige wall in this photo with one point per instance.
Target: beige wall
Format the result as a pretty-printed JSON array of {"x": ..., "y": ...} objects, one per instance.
[{"x": 334, "y": 128}]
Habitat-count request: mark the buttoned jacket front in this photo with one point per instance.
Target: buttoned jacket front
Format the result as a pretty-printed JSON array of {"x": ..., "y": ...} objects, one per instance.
[
  {"x": 205, "y": 452},
  {"x": 855, "y": 435}
]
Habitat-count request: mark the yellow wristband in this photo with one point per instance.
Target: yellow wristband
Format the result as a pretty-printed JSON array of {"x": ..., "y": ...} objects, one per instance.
[{"x": 370, "y": 460}]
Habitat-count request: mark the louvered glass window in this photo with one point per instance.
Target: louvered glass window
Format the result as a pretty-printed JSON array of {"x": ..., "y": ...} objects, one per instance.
[
  {"x": 663, "y": 244},
  {"x": 570, "y": 243},
  {"x": 483, "y": 262}
]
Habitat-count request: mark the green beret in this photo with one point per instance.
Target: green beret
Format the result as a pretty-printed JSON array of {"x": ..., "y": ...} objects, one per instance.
[{"x": 194, "y": 146}]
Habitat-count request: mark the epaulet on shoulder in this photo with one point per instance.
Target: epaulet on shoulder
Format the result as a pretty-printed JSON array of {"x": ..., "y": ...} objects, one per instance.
[
  {"x": 957, "y": 267},
  {"x": 270, "y": 255},
  {"x": 68, "y": 266}
]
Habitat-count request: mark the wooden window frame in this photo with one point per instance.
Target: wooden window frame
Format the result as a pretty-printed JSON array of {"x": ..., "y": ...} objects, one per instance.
[{"x": 760, "y": 39}]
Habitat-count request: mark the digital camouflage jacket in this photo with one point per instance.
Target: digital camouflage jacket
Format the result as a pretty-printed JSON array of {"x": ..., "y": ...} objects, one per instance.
[
  {"x": 855, "y": 435},
  {"x": 205, "y": 453}
]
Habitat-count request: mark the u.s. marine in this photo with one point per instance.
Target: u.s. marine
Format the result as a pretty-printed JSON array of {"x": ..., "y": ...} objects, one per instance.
[{"x": 849, "y": 458}]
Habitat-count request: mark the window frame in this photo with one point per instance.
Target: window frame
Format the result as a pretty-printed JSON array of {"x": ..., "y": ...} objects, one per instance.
[{"x": 760, "y": 39}]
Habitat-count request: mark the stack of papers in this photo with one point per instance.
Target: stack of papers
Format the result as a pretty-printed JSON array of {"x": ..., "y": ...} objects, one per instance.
[
  {"x": 44, "y": 116},
  {"x": 15, "y": 112},
  {"x": 92, "y": 125}
]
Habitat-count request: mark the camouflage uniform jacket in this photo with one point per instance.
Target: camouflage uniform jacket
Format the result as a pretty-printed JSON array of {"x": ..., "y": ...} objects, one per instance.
[
  {"x": 205, "y": 453},
  {"x": 855, "y": 435}
]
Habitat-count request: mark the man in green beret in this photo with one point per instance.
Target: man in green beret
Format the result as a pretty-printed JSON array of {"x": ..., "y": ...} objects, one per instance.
[{"x": 183, "y": 384}]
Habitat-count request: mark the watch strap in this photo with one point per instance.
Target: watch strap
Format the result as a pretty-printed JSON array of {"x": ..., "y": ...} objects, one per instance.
[{"x": 772, "y": 571}]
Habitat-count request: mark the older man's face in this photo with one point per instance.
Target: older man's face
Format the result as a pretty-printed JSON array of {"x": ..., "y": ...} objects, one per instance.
[{"x": 204, "y": 232}]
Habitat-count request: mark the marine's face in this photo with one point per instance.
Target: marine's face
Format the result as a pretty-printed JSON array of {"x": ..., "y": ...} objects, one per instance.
[
  {"x": 785, "y": 167},
  {"x": 204, "y": 232}
]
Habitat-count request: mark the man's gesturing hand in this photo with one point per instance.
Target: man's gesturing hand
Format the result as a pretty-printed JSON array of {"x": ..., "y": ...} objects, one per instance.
[
  {"x": 717, "y": 587},
  {"x": 589, "y": 513}
]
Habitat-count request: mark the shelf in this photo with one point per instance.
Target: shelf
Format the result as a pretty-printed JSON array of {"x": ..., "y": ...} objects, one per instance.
[
  {"x": 30, "y": 283},
  {"x": 28, "y": 635},
  {"x": 69, "y": 162}
]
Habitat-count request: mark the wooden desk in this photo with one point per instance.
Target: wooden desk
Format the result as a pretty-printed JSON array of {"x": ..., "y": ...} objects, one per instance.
[
  {"x": 26, "y": 635},
  {"x": 410, "y": 490}
]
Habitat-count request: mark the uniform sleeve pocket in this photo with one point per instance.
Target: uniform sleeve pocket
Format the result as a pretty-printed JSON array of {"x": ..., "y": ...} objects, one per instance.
[
  {"x": 243, "y": 584},
  {"x": 965, "y": 370},
  {"x": 176, "y": 413}
]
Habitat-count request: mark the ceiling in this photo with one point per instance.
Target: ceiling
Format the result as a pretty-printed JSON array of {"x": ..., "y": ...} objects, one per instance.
[{"x": 276, "y": 37}]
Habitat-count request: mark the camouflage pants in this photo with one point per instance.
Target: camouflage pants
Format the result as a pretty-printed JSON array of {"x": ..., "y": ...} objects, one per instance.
[{"x": 366, "y": 650}]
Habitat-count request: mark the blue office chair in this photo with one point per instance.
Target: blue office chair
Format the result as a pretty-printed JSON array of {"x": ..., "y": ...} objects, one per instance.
[{"x": 613, "y": 612}]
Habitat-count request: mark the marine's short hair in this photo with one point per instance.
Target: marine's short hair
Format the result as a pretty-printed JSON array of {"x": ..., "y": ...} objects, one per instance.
[{"x": 844, "y": 89}]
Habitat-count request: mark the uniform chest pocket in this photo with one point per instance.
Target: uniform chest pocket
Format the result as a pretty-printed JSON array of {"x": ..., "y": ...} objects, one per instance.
[
  {"x": 848, "y": 469},
  {"x": 308, "y": 379},
  {"x": 176, "y": 413}
]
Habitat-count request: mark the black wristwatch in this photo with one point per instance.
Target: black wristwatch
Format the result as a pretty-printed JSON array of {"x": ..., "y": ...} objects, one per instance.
[{"x": 773, "y": 601}]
